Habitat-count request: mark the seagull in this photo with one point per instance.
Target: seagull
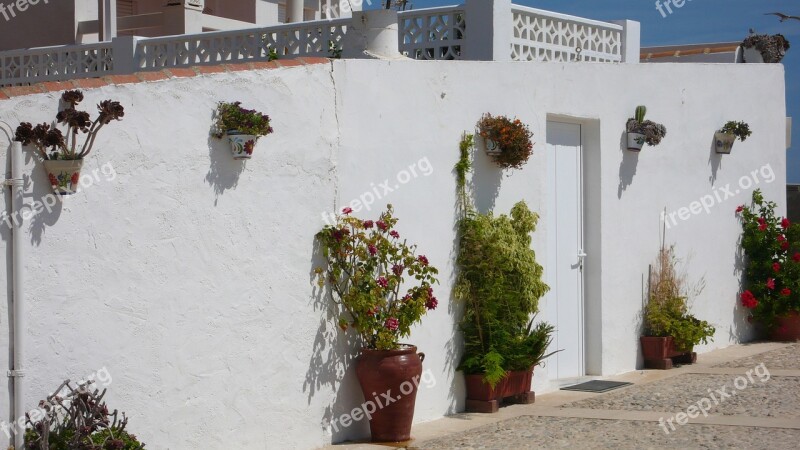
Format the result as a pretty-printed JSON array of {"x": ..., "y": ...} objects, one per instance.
[{"x": 782, "y": 16}]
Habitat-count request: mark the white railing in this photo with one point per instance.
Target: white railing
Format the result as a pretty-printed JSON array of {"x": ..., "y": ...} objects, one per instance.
[
  {"x": 317, "y": 38},
  {"x": 546, "y": 36},
  {"x": 434, "y": 33},
  {"x": 56, "y": 63}
]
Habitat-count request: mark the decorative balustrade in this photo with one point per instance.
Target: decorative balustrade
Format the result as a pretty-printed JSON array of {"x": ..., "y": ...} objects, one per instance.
[
  {"x": 317, "y": 38},
  {"x": 56, "y": 63},
  {"x": 435, "y": 33},
  {"x": 546, "y": 36}
]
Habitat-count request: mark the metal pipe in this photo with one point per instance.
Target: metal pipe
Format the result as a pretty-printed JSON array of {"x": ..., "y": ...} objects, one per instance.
[{"x": 17, "y": 290}]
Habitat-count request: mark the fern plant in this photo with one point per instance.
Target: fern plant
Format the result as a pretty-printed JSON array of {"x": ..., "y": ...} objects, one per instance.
[{"x": 500, "y": 283}]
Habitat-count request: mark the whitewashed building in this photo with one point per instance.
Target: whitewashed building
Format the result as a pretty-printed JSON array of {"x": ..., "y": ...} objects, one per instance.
[{"x": 188, "y": 276}]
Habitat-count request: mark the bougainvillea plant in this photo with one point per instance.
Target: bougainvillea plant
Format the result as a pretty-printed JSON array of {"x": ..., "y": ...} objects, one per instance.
[
  {"x": 231, "y": 116},
  {"x": 380, "y": 286},
  {"x": 511, "y": 137},
  {"x": 772, "y": 270},
  {"x": 52, "y": 144}
]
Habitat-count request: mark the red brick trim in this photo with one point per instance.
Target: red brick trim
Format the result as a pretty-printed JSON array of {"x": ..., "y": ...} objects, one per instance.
[{"x": 158, "y": 75}]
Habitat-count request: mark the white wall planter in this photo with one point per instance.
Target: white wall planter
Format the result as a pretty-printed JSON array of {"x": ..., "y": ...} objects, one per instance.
[
  {"x": 242, "y": 145},
  {"x": 635, "y": 142},
  {"x": 64, "y": 175},
  {"x": 723, "y": 142},
  {"x": 752, "y": 55}
]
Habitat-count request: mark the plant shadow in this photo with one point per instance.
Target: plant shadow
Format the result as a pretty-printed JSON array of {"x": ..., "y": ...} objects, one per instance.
[
  {"x": 486, "y": 178},
  {"x": 224, "y": 171},
  {"x": 715, "y": 161},
  {"x": 627, "y": 167}
]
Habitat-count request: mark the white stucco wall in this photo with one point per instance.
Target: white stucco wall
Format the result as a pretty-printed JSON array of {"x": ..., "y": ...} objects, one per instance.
[{"x": 188, "y": 276}]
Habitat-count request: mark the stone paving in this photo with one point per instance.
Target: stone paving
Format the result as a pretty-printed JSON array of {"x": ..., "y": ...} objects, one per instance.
[{"x": 755, "y": 414}]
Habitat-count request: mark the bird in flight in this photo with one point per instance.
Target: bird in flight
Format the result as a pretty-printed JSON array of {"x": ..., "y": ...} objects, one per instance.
[{"x": 782, "y": 16}]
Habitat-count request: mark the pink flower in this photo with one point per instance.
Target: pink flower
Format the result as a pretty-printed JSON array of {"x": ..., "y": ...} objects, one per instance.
[
  {"x": 785, "y": 223},
  {"x": 432, "y": 303},
  {"x": 739, "y": 209},
  {"x": 382, "y": 282},
  {"x": 347, "y": 210},
  {"x": 394, "y": 234},
  {"x": 391, "y": 323},
  {"x": 785, "y": 245},
  {"x": 781, "y": 238},
  {"x": 382, "y": 225},
  {"x": 776, "y": 267},
  {"x": 372, "y": 249},
  {"x": 770, "y": 283},
  {"x": 397, "y": 269},
  {"x": 786, "y": 292},
  {"x": 423, "y": 260},
  {"x": 406, "y": 298},
  {"x": 368, "y": 224},
  {"x": 749, "y": 300}
]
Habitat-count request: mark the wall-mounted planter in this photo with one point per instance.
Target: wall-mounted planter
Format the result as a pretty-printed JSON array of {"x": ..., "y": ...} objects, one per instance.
[
  {"x": 752, "y": 55},
  {"x": 242, "y": 145},
  {"x": 64, "y": 175},
  {"x": 491, "y": 147},
  {"x": 635, "y": 142},
  {"x": 723, "y": 142}
]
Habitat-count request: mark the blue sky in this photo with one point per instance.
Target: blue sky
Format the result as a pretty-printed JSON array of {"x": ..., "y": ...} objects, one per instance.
[{"x": 697, "y": 21}]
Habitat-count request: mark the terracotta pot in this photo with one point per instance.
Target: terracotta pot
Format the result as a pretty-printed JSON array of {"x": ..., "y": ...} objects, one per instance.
[
  {"x": 655, "y": 348},
  {"x": 478, "y": 390},
  {"x": 395, "y": 373},
  {"x": 787, "y": 329},
  {"x": 723, "y": 142},
  {"x": 64, "y": 175},
  {"x": 635, "y": 142},
  {"x": 242, "y": 145},
  {"x": 519, "y": 382}
]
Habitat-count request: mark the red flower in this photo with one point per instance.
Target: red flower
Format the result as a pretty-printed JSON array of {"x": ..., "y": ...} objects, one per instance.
[
  {"x": 796, "y": 257},
  {"x": 432, "y": 303},
  {"x": 770, "y": 283},
  {"x": 749, "y": 300},
  {"x": 248, "y": 147},
  {"x": 785, "y": 223},
  {"x": 422, "y": 259},
  {"x": 776, "y": 267},
  {"x": 372, "y": 311},
  {"x": 739, "y": 209},
  {"x": 75, "y": 177},
  {"x": 762, "y": 224},
  {"x": 394, "y": 234},
  {"x": 406, "y": 298},
  {"x": 347, "y": 210},
  {"x": 382, "y": 225},
  {"x": 781, "y": 238},
  {"x": 785, "y": 245},
  {"x": 53, "y": 179},
  {"x": 382, "y": 282},
  {"x": 391, "y": 323},
  {"x": 372, "y": 249},
  {"x": 786, "y": 292},
  {"x": 368, "y": 224},
  {"x": 397, "y": 269}
]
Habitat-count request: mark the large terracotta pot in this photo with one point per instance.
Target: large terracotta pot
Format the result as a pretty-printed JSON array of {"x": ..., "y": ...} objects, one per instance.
[
  {"x": 787, "y": 329},
  {"x": 395, "y": 373},
  {"x": 660, "y": 353}
]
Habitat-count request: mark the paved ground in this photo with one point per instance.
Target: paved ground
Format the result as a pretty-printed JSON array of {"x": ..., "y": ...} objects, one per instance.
[{"x": 748, "y": 405}]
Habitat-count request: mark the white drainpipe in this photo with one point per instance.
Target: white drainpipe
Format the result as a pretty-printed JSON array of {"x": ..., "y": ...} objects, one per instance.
[{"x": 17, "y": 293}]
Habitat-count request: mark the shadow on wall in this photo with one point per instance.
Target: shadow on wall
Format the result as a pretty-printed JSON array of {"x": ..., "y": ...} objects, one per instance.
[
  {"x": 224, "y": 171},
  {"x": 39, "y": 186},
  {"x": 486, "y": 178},
  {"x": 332, "y": 364},
  {"x": 741, "y": 330},
  {"x": 715, "y": 161},
  {"x": 627, "y": 168}
]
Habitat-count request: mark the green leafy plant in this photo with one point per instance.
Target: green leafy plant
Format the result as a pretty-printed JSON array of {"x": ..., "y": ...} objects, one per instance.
[
  {"x": 500, "y": 283},
  {"x": 77, "y": 418},
  {"x": 772, "y": 48},
  {"x": 653, "y": 132},
  {"x": 378, "y": 283},
  {"x": 334, "y": 50},
  {"x": 512, "y": 138},
  {"x": 231, "y": 116},
  {"x": 52, "y": 144},
  {"x": 739, "y": 129},
  {"x": 771, "y": 246},
  {"x": 666, "y": 312}
]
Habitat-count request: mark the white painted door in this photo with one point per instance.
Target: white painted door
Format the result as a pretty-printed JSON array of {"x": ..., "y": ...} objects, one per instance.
[{"x": 564, "y": 304}]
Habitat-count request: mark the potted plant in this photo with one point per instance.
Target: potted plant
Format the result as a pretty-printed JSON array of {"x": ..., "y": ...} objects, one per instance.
[
  {"x": 500, "y": 283},
  {"x": 771, "y": 284},
  {"x": 506, "y": 141},
  {"x": 670, "y": 332},
  {"x": 76, "y": 417},
  {"x": 62, "y": 155},
  {"x": 727, "y": 135},
  {"x": 763, "y": 48},
  {"x": 242, "y": 126},
  {"x": 640, "y": 131},
  {"x": 380, "y": 288}
]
